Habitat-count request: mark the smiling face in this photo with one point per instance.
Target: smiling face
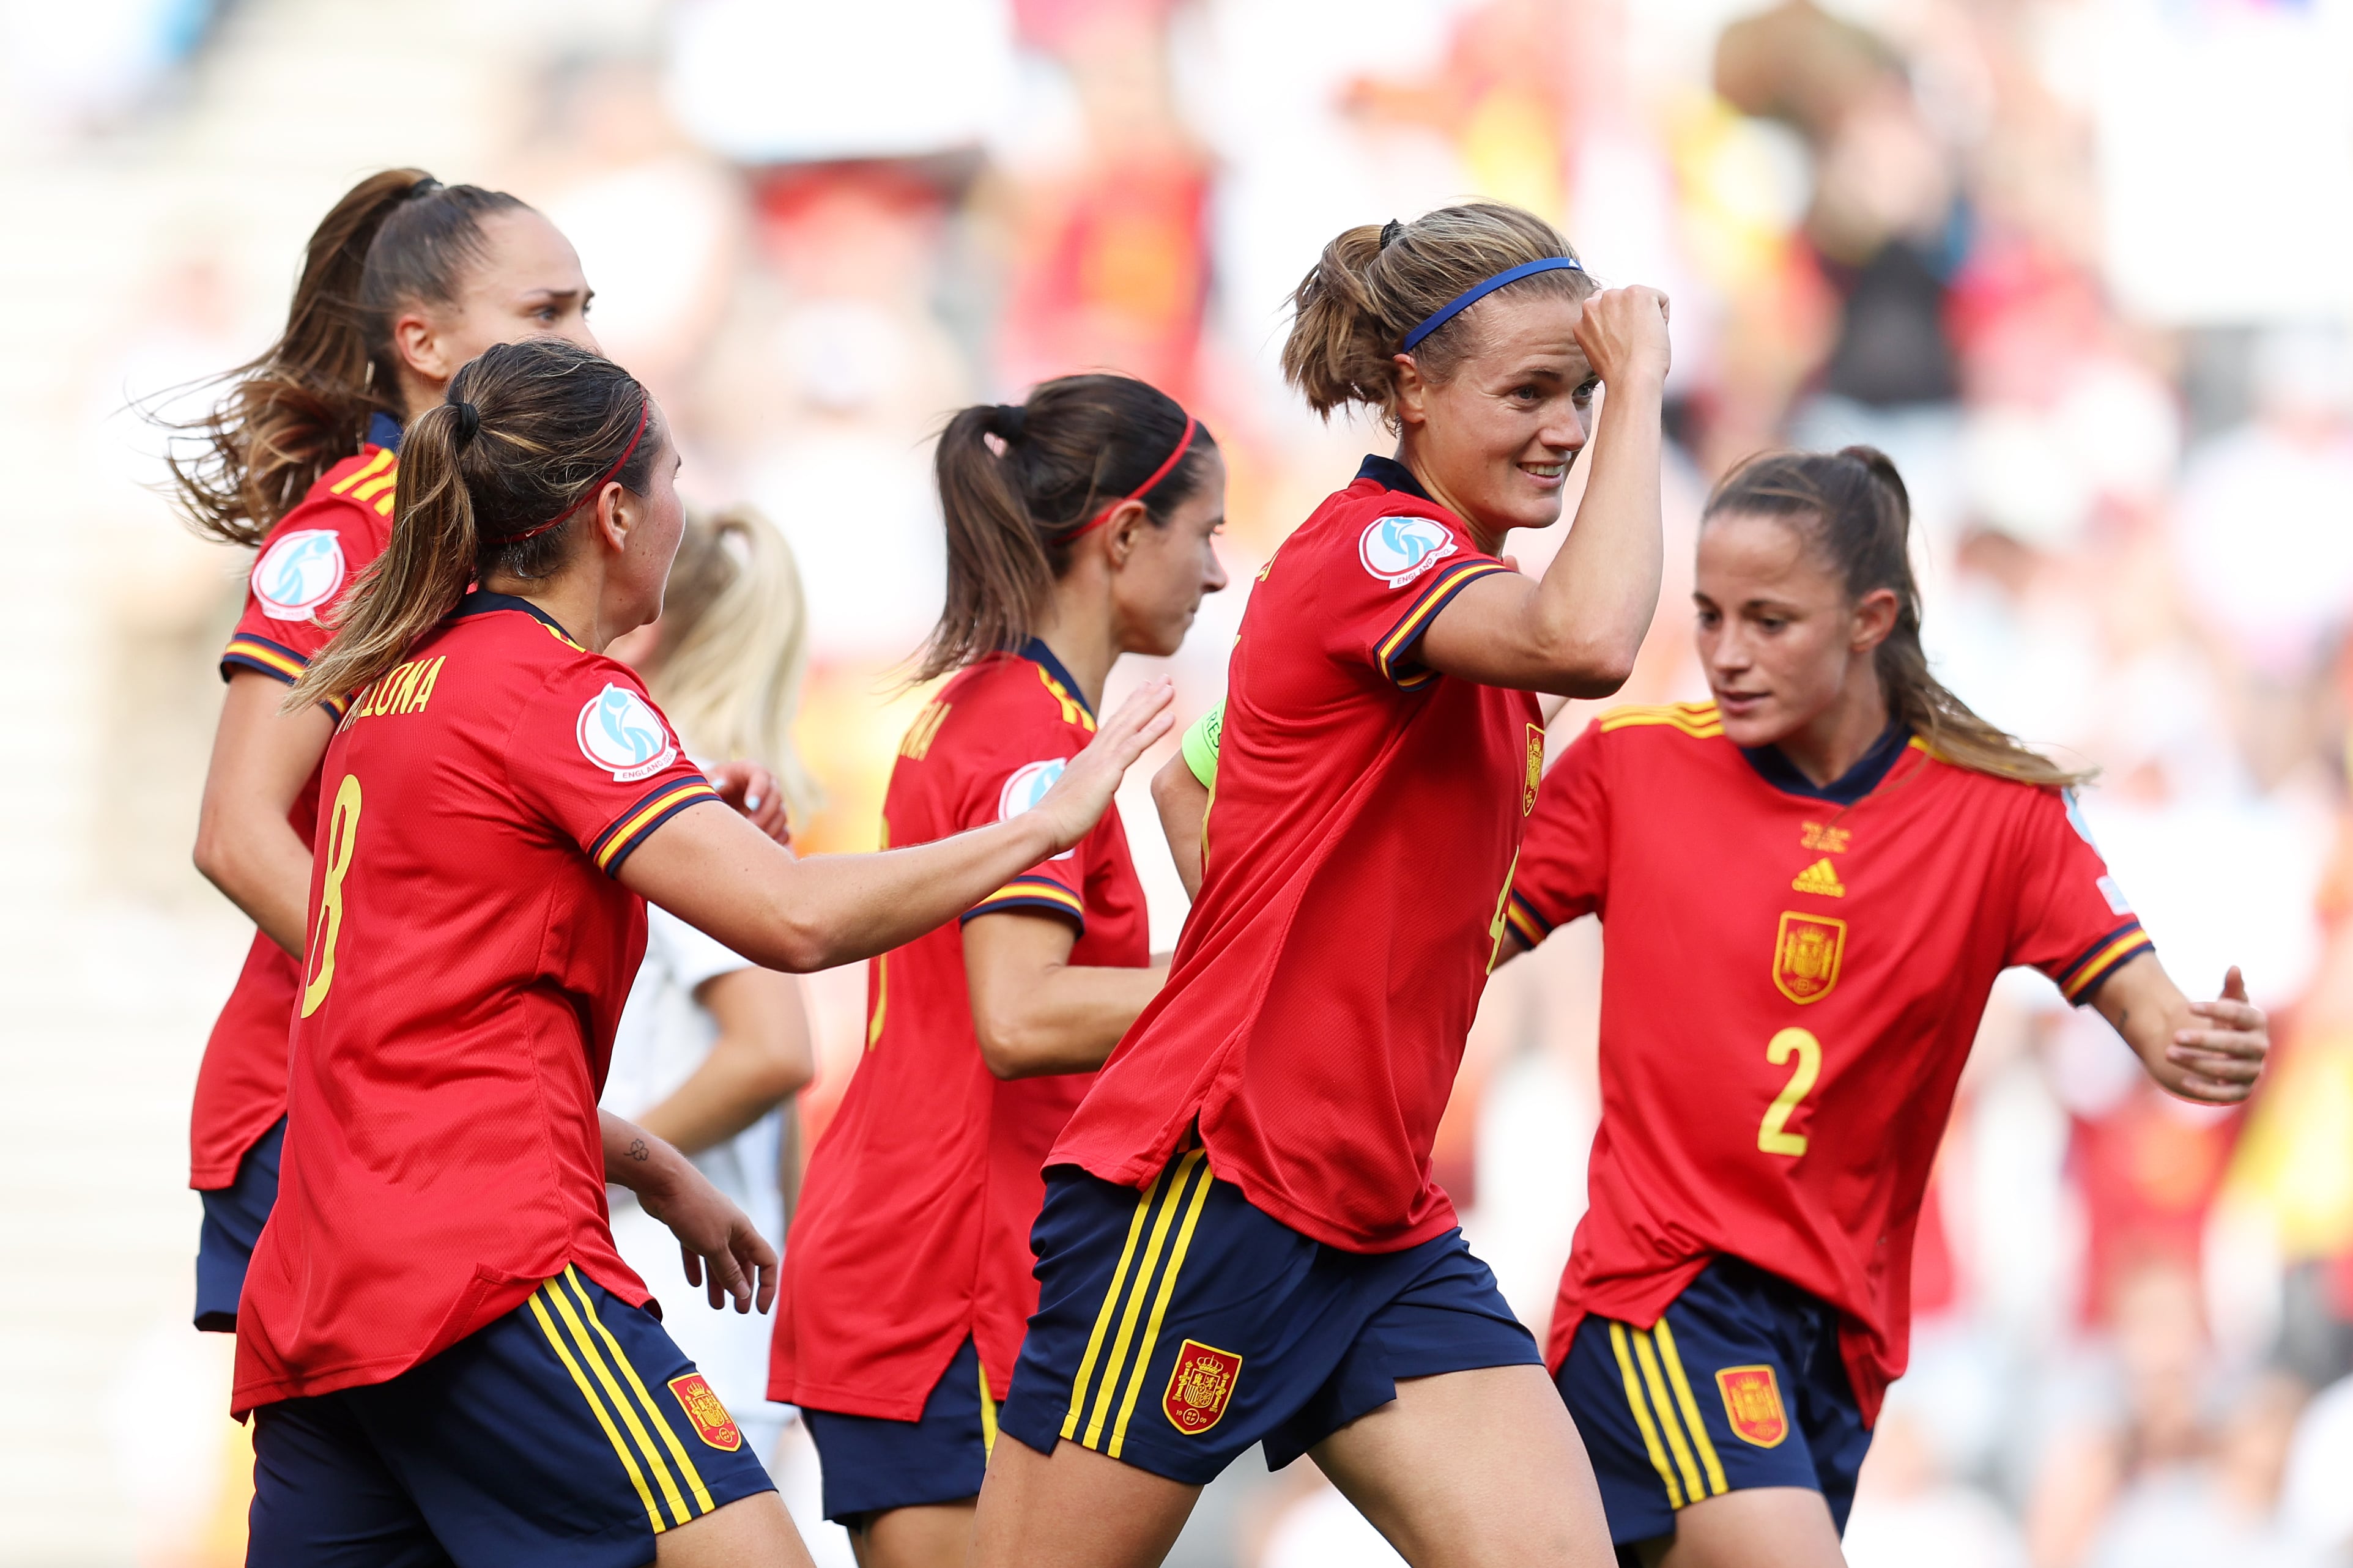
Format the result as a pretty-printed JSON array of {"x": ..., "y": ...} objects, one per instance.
[
  {"x": 1782, "y": 644},
  {"x": 1494, "y": 440},
  {"x": 526, "y": 283},
  {"x": 1159, "y": 573}
]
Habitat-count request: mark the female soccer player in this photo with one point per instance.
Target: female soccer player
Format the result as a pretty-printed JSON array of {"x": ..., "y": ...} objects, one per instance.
[
  {"x": 446, "y": 1357},
  {"x": 1079, "y": 527},
  {"x": 1809, "y": 886},
  {"x": 1241, "y": 1241},
  {"x": 711, "y": 1046},
  {"x": 405, "y": 280}
]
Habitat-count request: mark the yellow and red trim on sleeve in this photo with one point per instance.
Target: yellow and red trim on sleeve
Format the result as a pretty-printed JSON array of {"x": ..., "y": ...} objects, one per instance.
[
  {"x": 1033, "y": 892},
  {"x": 1526, "y": 924},
  {"x": 246, "y": 652},
  {"x": 1392, "y": 651},
  {"x": 2080, "y": 979},
  {"x": 633, "y": 827}
]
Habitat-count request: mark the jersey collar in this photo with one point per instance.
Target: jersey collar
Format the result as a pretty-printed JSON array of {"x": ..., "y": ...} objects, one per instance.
[
  {"x": 385, "y": 431},
  {"x": 1036, "y": 651},
  {"x": 1846, "y": 789},
  {"x": 481, "y": 602},
  {"x": 1392, "y": 475}
]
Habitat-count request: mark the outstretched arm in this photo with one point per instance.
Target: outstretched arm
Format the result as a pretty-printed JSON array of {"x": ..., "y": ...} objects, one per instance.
[
  {"x": 1576, "y": 630},
  {"x": 2208, "y": 1051},
  {"x": 722, "y": 876}
]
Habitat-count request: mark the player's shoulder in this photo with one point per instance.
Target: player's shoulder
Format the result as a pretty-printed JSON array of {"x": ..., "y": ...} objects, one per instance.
[
  {"x": 309, "y": 554},
  {"x": 1381, "y": 527},
  {"x": 1663, "y": 724},
  {"x": 1009, "y": 702}
]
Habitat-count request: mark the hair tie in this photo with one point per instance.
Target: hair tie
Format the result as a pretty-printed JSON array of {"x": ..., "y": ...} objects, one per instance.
[
  {"x": 645, "y": 405},
  {"x": 1478, "y": 292},
  {"x": 1010, "y": 420},
  {"x": 1389, "y": 231},
  {"x": 469, "y": 421},
  {"x": 424, "y": 187},
  {"x": 1184, "y": 445}
]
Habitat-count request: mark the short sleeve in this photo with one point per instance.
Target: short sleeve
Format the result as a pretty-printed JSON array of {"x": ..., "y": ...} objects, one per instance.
[
  {"x": 2070, "y": 918},
  {"x": 308, "y": 561},
  {"x": 1563, "y": 867},
  {"x": 1400, "y": 568},
  {"x": 594, "y": 756},
  {"x": 1010, "y": 774},
  {"x": 1201, "y": 743},
  {"x": 694, "y": 956}
]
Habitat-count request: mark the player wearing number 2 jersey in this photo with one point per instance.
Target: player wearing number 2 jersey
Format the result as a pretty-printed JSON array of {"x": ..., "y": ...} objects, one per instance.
[
  {"x": 447, "y": 1358},
  {"x": 1079, "y": 528},
  {"x": 405, "y": 280},
  {"x": 1808, "y": 887}
]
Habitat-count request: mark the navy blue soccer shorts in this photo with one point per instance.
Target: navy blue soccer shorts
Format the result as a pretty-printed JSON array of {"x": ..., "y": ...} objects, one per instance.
[
  {"x": 1178, "y": 1326},
  {"x": 1739, "y": 1385},
  {"x": 570, "y": 1431},
  {"x": 234, "y": 1215},
  {"x": 871, "y": 1465}
]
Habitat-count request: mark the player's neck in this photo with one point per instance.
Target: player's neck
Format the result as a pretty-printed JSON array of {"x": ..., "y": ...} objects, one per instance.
[
  {"x": 1078, "y": 628},
  {"x": 1826, "y": 747}
]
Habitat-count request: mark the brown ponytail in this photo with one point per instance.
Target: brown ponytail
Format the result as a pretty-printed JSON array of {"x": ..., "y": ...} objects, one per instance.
[
  {"x": 398, "y": 237},
  {"x": 1021, "y": 482},
  {"x": 528, "y": 433},
  {"x": 1858, "y": 514},
  {"x": 1375, "y": 284}
]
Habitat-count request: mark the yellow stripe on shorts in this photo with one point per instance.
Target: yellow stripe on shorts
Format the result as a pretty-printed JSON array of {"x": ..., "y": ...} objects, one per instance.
[
  {"x": 1642, "y": 1415},
  {"x": 1160, "y": 1302},
  {"x": 1716, "y": 1485},
  {"x": 1648, "y": 1359},
  {"x": 1127, "y": 1337},
  {"x": 604, "y": 1418},
  {"x": 631, "y": 1419},
  {"x": 1110, "y": 1304},
  {"x": 662, "y": 1423}
]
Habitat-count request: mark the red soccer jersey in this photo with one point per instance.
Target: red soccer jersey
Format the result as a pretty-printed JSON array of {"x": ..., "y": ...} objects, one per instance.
[
  {"x": 913, "y": 1227},
  {"x": 469, "y": 952},
  {"x": 340, "y": 526},
  {"x": 1792, "y": 981},
  {"x": 1359, "y": 848}
]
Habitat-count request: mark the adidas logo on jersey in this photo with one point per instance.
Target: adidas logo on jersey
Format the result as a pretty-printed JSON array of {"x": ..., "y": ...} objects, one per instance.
[{"x": 1821, "y": 877}]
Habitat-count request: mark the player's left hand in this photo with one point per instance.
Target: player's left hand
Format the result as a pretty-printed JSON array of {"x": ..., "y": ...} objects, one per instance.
[
  {"x": 2220, "y": 1063},
  {"x": 723, "y": 1252},
  {"x": 752, "y": 790}
]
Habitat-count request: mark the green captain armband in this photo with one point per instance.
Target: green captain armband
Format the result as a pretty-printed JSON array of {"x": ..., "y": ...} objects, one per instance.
[{"x": 1201, "y": 745}]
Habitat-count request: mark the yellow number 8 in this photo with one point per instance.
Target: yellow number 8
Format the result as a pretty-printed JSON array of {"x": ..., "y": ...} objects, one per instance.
[
  {"x": 342, "y": 828},
  {"x": 1772, "y": 1135}
]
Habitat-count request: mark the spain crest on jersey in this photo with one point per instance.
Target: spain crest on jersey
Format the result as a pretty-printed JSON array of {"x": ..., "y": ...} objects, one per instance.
[
  {"x": 1201, "y": 1387},
  {"x": 1807, "y": 952},
  {"x": 1752, "y": 1403},
  {"x": 1536, "y": 769},
  {"x": 712, "y": 1422}
]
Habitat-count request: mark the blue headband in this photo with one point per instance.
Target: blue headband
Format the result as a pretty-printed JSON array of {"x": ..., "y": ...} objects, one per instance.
[{"x": 1469, "y": 297}]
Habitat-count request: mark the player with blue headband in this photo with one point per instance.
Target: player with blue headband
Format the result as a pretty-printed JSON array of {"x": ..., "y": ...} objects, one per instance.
[{"x": 1241, "y": 1243}]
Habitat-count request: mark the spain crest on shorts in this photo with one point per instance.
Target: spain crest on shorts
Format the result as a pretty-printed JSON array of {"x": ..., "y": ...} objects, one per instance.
[
  {"x": 1807, "y": 952},
  {"x": 712, "y": 1422},
  {"x": 1201, "y": 1387},
  {"x": 1752, "y": 1403}
]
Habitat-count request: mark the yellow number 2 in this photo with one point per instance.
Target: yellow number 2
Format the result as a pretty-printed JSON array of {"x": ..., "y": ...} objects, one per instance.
[
  {"x": 342, "y": 828},
  {"x": 1771, "y": 1135}
]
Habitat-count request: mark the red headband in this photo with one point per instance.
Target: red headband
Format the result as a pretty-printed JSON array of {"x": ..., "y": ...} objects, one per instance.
[
  {"x": 645, "y": 405},
  {"x": 1184, "y": 445}
]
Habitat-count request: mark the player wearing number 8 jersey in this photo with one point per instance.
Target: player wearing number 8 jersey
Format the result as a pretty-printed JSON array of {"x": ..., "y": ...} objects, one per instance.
[
  {"x": 447, "y": 1358},
  {"x": 1808, "y": 887}
]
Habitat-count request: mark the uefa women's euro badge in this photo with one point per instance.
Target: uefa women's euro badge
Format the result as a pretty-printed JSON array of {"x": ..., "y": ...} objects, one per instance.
[
  {"x": 621, "y": 733},
  {"x": 299, "y": 573},
  {"x": 1027, "y": 787},
  {"x": 1397, "y": 550}
]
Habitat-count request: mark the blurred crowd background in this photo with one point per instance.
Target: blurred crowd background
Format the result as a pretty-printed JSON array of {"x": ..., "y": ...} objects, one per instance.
[{"x": 2079, "y": 265}]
